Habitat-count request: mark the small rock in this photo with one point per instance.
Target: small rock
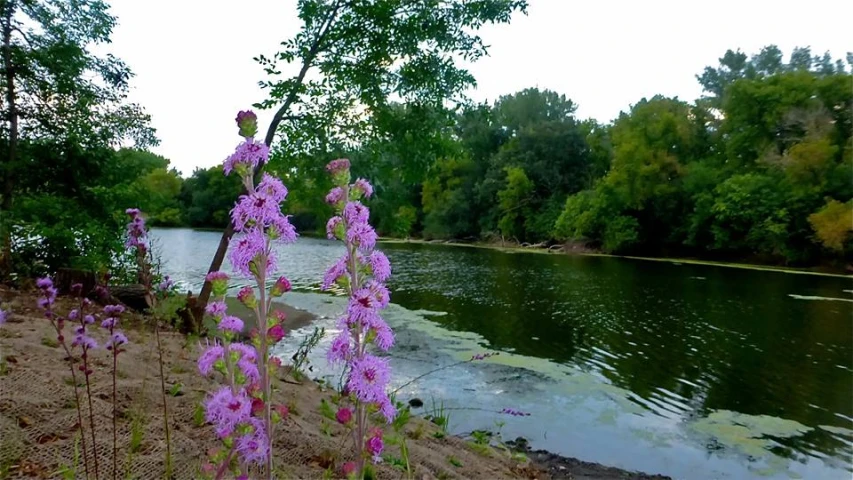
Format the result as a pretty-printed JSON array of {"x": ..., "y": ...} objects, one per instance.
[{"x": 416, "y": 403}]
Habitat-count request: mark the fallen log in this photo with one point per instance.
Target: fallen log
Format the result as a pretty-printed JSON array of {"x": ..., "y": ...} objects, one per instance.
[{"x": 134, "y": 296}]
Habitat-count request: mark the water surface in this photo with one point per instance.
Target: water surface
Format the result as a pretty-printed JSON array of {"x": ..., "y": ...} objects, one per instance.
[{"x": 689, "y": 370}]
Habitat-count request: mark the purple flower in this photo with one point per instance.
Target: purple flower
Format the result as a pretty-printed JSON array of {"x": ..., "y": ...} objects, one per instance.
[
  {"x": 384, "y": 335},
  {"x": 335, "y": 196},
  {"x": 271, "y": 187},
  {"x": 3, "y": 315},
  {"x": 116, "y": 339},
  {"x": 84, "y": 341},
  {"x": 362, "y": 235},
  {"x": 44, "y": 283},
  {"x": 246, "y": 157},
  {"x": 369, "y": 377},
  {"x": 137, "y": 237},
  {"x": 379, "y": 265},
  {"x": 386, "y": 408},
  {"x": 364, "y": 187},
  {"x": 89, "y": 319},
  {"x": 247, "y": 362},
  {"x": 355, "y": 213},
  {"x": 166, "y": 284},
  {"x": 113, "y": 310},
  {"x": 374, "y": 446},
  {"x": 339, "y": 350},
  {"x": 225, "y": 410},
  {"x": 247, "y": 252},
  {"x": 337, "y": 166},
  {"x": 230, "y": 323},
  {"x": 282, "y": 230},
  {"x": 215, "y": 309},
  {"x": 109, "y": 323},
  {"x": 209, "y": 358},
  {"x": 74, "y": 314},
  {"x": 338, "y": 270},
  {"x": 334, "y": 228},
  {"x": 254, "y": 209},
  {"x": 254, "y": 447}
]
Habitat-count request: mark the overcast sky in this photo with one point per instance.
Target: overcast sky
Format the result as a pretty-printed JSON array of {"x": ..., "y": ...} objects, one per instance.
[{"x": 194, "y": 68}]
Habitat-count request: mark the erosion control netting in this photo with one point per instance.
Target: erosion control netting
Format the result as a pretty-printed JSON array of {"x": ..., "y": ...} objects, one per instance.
[{"x": 40, "y": 438}]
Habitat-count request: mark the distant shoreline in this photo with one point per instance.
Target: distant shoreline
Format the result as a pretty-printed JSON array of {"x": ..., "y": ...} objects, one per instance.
[{"x": 562, "y": 251}]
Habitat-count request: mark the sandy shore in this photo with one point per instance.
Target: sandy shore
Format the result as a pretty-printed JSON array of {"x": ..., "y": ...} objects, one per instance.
[{"x": 39, "y": 431}]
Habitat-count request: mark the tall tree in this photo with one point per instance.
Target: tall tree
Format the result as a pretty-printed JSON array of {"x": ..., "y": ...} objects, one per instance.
[
  {"x": 354, "y": 55},
  {"x": 56, "y": 91}
]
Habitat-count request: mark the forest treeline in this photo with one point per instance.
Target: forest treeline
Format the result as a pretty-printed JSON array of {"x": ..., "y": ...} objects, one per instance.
[{"x": 758, "y": 168}]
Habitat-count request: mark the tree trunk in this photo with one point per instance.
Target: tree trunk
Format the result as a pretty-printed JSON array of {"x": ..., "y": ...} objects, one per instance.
[
  {"x": 8, "y": 8},
  {"x": 66, "y": 277},
  {"x": 219, "y": 256}
]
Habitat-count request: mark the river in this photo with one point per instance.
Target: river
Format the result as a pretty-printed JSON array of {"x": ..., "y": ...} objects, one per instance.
[{"x": 692, "y": 371}]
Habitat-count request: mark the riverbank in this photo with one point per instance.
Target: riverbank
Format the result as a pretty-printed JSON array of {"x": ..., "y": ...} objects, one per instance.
[
  {"x": 510, "y": 247},
  {"x": 38, "y": 427}
]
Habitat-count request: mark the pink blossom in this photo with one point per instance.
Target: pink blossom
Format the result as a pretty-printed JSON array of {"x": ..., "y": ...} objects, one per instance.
[
  {"x": 338, "y": 166},
  {"x": 335, "y": 196},
  {"x": 364, "y": 187},
  {"x": 344, "y": 415}
]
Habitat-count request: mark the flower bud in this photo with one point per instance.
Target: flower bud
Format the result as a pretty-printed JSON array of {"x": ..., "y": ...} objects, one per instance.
[
  {"x": 340, "y": 171},
  {"x": 218, "y": 282},
  {"x": 247, "y": 122},
  {"x": 276, "y": 333},
  {"x": 281, "y": 286},
  {"x": 344, "y": 416},
  {"x": 246, "y": 296}
]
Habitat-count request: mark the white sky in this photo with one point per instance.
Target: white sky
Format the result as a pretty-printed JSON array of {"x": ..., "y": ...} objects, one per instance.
[{"x": 194, "y": 68}]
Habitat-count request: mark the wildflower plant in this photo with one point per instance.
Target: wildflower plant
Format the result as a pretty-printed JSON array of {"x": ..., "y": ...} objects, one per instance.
[
  {"x": 241, "y": 410},
  {"x": 137, "y": 241},
  {"x": 85, "y": 318},
  {"x": 361, "y": 272}
]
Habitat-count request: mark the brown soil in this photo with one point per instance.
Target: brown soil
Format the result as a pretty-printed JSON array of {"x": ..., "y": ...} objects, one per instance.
[{"x": 39, "y": 431}]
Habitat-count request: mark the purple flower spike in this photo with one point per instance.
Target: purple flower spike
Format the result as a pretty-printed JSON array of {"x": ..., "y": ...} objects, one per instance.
[{"x": 338, "y": 166}]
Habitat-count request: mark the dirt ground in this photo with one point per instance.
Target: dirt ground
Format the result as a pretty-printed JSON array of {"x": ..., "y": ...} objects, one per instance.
[{"x": 39, "y": 429}]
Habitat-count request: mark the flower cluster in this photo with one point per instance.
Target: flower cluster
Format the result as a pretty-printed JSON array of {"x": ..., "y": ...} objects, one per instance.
[
  {"x": 362, "y": 272},
  {"x": 258, "y": 215},
  {"x": 241, "y": 410},
  {"x": 110, "y": 323},
  {"x": 137, "y": 237}
]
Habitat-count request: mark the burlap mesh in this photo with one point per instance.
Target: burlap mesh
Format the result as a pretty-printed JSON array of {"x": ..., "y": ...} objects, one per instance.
[{"x": 39, "y": 434}]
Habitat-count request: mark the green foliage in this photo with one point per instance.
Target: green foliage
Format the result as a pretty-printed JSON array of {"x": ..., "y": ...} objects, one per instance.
[
  {"x": 514, "y": 197},
  {"x": 70, "y": 109},
  {"x": 833, "y": 225},
  {"x": 743, "y": 172}
]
